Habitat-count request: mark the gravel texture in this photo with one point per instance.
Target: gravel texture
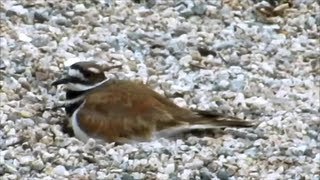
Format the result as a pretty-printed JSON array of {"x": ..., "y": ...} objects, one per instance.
[{"x": 254, "y": 59}]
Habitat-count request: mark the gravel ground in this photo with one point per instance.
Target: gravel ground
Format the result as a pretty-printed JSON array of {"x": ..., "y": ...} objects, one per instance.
[{"x": 253, "y": 59}]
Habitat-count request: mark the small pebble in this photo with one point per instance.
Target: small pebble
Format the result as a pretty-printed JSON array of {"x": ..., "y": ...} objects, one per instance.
[{"x": 60, "y": 171}]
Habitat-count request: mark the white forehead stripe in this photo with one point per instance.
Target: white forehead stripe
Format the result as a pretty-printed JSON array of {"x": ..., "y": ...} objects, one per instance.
[
  {"x": 94, "y": 70},
  {"x": 76, "y": 73}
]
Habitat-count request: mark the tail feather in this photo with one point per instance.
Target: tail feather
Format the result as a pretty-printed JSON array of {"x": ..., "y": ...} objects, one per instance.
[
  {"x": 205, "y": 120},
  {"x": 212, "y": 119}
]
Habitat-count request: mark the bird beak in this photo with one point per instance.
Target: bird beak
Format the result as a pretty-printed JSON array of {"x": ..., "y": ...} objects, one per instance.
[
  {"x": 60, "y": 81},
  {"x": 64, "y": 80}
]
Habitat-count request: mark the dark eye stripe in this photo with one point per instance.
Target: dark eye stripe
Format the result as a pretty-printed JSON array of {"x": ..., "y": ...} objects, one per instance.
[
  {"x": 86, "y": 74},
  {"x": 79, "y": 68}
]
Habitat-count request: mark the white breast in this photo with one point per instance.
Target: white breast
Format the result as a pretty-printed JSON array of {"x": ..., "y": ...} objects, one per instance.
[{"x": 78, "y": 132}]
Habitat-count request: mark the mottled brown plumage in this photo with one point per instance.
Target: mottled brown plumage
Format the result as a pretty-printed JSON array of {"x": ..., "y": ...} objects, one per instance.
[{"x": 124, "y": 111}]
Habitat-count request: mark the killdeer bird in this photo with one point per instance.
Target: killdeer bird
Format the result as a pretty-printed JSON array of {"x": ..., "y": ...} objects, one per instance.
[{"x": 125, "y": 111}]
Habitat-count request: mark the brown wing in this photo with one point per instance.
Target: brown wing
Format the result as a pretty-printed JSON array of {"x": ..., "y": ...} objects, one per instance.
[{"x": 125, "y": 111}]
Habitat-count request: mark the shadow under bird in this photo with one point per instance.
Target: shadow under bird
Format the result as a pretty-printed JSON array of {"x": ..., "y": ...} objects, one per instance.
[{"x": 125, "y": 111}]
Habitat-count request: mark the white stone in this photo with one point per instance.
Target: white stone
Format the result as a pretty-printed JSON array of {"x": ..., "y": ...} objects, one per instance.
[
  {"x": 162, "y": 176},
  {"x": 63, "y": 152},
  {"x": 169, "y": 168},
  {"x": 37, "y": 164},
  {"x": 81, "y": 171},
  {"x": 3, "y": 43},
  {"x": 180, "y": 102},
  {"x": 194, "y": 164},
  {"x": 223, "y": 84},
  {"x": 60, "y": 171},
  {"x": 11, "y": 132},
  {"x": 137, "y": 175},
  {"x": 71, "y": 61},
  {"x": 23, "y": 37},
  {"x": 80, "y": 8},
  {"x": 186, "y": 174},
  {"x": 20, "y": 10},
  {"x": 267, "y": 67},
  {"x": 259, "y": 102},
  {"x": 185, "y": 60},
  {"x": 25, "y": 160}
]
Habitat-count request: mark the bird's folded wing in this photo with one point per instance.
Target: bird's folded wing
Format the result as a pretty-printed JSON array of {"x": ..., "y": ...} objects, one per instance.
[{"x": 117, "y": 114}]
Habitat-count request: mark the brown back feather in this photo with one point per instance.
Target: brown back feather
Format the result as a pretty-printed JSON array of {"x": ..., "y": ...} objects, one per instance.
[{"x": 126, "y": 110}]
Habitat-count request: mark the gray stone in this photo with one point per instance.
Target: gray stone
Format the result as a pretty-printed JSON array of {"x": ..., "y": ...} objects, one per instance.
[{"x": 222, "y": 175}]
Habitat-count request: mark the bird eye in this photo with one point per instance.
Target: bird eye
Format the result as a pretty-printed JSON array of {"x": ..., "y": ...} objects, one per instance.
[{"x": 87, "y": 74}]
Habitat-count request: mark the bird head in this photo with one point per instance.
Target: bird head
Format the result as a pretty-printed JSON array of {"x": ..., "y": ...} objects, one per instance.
[{"x": 85, "y": 75}]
